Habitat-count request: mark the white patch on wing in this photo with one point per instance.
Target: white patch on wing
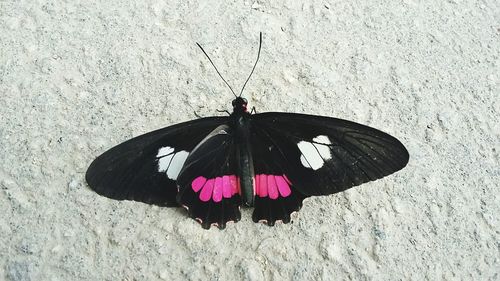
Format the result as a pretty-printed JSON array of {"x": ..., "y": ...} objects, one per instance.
[
  {"x": 164, "y": 151},
  {"x": 170, "y": 161},
  {"x": 323, "y": 140},
  {"x": 176, "y": 165},
  {"x": 314, "y": 154}
]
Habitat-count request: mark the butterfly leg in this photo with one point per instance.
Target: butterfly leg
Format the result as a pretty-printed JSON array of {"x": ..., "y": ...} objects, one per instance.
[
  {"x": 253, "y": 111},
  {"x": 223, "y": 110}
]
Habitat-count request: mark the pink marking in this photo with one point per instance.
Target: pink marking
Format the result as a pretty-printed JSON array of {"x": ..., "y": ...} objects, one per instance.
[
  {"x": 235, "y": 184},
  {"x": 263, "y": 186},
  {"x": 226, "y": 187},
  {"x": 217, "y": 193},
  {"x": 206, "y": 192},
  {"x": 272, "y": 189},
  {"x": 256, "y": 183},
  {"x": 283, "y": 186},
  {"x": 198, "y": 183},
  {"x": 273, "y": 186},
  {"x": 216, "y": 188}
]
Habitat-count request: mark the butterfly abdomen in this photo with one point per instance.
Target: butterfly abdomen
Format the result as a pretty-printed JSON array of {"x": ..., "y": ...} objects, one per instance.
[{"x": 245, "y": 160}]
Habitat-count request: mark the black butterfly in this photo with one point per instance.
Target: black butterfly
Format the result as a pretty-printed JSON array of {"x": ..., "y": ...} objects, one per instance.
[{"x": 270, "y": 161}]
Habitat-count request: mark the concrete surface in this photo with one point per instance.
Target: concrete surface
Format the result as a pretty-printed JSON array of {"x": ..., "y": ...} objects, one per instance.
[{"x": 78, "y": 77}]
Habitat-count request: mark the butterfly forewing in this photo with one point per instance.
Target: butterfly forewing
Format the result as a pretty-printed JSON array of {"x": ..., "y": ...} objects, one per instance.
[
  {"x": 323, "y": 155},
  {"x": 145, "y": 168}
]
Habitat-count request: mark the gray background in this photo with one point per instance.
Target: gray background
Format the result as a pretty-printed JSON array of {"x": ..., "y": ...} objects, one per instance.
[{"x": 77, "y": 79}]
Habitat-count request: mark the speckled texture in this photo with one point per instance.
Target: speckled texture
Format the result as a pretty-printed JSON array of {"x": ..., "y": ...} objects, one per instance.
[{"x": 77, "y": 79}]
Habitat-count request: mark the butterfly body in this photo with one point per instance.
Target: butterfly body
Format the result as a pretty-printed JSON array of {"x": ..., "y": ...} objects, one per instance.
[{"x": 242, "y": 127}]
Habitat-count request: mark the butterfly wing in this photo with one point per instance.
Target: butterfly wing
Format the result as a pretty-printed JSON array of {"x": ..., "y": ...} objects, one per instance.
[
  {"x": 209, "y": 184},
  {"x": 319, "y": 156},
  {"x": 145, "y": 168}
]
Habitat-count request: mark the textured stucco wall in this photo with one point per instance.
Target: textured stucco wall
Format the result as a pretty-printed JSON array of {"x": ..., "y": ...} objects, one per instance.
[{"x": 77, "y": 78}]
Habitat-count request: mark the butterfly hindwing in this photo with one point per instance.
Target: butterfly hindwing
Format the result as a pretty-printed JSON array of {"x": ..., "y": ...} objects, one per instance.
[
  {"x": 276, "y": 198},
  {"x": 322, "y": 155},
  {"x": 145, "y": 168},
  {"x": 209, "y": 183}
]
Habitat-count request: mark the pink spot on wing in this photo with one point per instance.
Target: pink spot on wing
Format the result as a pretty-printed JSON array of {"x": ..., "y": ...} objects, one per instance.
[
  {"x": 256, "y": 182},
  {"x": 217, "y": 193},
  {"x": 263, "y": 186},
  {"x": 272, "y": 188},
  {"x": 226, "y": 187},
  {"x": 198, "y": 183},
  {"x": 283, "y": 186},
  {"x": 216, "y": 188},
  {"x": 235, "y": 184},
  {"x": 206, "y": 192}
]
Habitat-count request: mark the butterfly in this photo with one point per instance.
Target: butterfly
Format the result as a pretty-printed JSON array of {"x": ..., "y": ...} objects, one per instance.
[{"x": 270, "y": 161}]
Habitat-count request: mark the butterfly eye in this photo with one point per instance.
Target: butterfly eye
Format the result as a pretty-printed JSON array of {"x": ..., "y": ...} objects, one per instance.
[{"x": 245, "y": 101}]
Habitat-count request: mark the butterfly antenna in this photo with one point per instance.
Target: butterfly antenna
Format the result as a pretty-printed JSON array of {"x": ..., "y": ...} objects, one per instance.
[
  {"x": 257, "y": 60},
  {"x": 217, "y": 70}
]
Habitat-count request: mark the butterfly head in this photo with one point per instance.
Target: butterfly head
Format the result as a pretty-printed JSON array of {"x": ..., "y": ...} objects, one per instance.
[{"x": 240, "y": 104}]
